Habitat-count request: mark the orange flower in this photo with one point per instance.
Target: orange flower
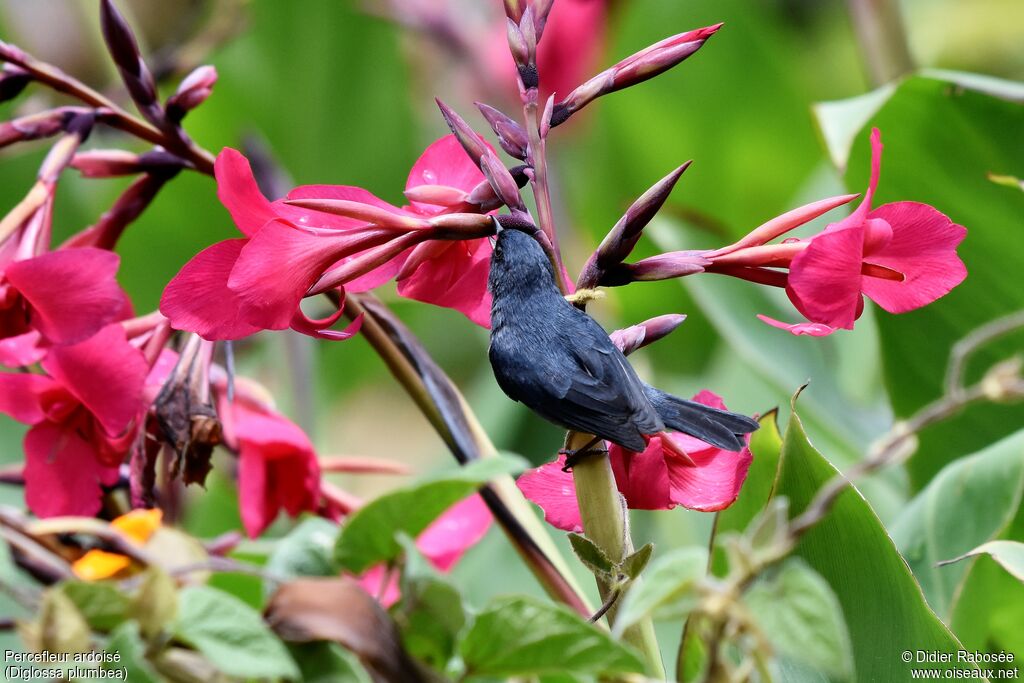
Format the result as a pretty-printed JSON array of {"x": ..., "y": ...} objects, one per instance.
[{"x": 137, "y": 526}]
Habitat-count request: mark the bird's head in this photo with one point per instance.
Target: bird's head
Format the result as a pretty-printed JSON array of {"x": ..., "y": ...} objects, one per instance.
[{"x": 518, "y": 260}]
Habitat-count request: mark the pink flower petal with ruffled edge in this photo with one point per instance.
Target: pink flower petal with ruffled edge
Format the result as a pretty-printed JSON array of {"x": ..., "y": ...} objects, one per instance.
[
  {"x": 553, "y": 490},
  {"x": 63, "y": 474},
  {"x": 22, "y": 350},
  {"x": 239, "y": 193},
  {"x": 22, "y": 396},
  {"x": 454, "y": 278},
  {"x": 810, "y": 329},
  {"x": 198, "y": 300},
  {"x": 825, "y": 280},
  {"x": 445, "y": 162},
  {"x": 923, "y": 248},
  {"x": 105, "y": 373},
  {"x": 642, "y": 478},
  {"x": 278, "y": 469},
  {"x": 450, "y": 535},
  {"x": 71, "y": 292}
]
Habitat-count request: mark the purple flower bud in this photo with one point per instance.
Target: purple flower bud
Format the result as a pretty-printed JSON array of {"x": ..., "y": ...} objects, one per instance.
[
  {"x": 461, "y": 226},
  {"x": 501, "y": 180},
  {"x": 125, "y": 51},
  {"x": 619, "y": 243},
  {"x": 110, "y": 163},
  {"x": 517, "y": 44},
  {"x": 514, "y": 9},
  {"x": 635, "y": 69},
  {"x": 467, "y": 137},
  {"x": 13, "y": 80},
  {"x": 541, "y": 10},
  {"x": 34, "y": 126},
  {"x": 511, "y": 136},
  {"x": 635, "y": 337},
  {"x": 192, "y": 92}
]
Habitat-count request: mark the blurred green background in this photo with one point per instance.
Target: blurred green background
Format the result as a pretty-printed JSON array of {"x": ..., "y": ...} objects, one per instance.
[{"x": 334, "y": 95}]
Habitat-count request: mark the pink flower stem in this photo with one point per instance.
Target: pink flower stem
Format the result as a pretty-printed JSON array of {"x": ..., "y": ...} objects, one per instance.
[
  {"x": 114, "y": 115},
  {"x": 541, "y": 186}
]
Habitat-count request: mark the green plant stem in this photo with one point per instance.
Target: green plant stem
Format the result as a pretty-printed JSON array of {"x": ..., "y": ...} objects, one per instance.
[
  {"x": 604, "y": 522},
  {"x": 883, "y": 41}
]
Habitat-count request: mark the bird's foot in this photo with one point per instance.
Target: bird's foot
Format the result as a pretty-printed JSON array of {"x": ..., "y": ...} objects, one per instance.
[{"x": 573, "y": 457}]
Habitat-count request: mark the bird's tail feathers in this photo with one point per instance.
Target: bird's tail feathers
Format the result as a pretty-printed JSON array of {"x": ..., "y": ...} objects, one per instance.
[{"x": 717, "y": 427}]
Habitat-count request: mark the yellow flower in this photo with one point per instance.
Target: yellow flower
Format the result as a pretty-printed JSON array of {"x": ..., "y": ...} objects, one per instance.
[{"x": 137, "y": 526}]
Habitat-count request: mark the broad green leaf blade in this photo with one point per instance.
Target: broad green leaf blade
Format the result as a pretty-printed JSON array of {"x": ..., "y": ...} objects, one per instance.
[
  {"x": 801, "y": 616},
  {"x": 101, "y": 603},
  {"x": 520, "y": 636},
  {"x": 231, "y": 635},
  {"x": 971, "y": 501},
  {"x": 941, "y": 142},
  {"x": 369, "y": 536},
  {"x": 841, "y": 120},
  {"x": 667, "y": 588},
  {"x": 307, "y": 550},
  {"x": 884, "y": 607},
  {"x": 1009, "y": 554}
]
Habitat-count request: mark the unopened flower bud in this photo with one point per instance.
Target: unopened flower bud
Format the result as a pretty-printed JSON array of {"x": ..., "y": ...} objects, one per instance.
[
  {"x": 359, "y": 211},
  {"x": 619, "y": 243},
  {"x": 110, "y": 163},
  {"x": 13, "y": 80},
  {"x": 790, "y": 220},
  {"x": 514, "y": 9},
  {"x": 541, "y": 10},
  {"x": 436, "y": 195},
  {"x": 631, "y": 338},
  {"x": 511, "y": 136},
  {"x": 661, "y": 267},
  {"x": 125, "y": 51},
  {"x": 635, "y": 69},
  {"x": 192, "y": 92},
  {"x": 467, "y": 137},
  {"x": 34, "y": 126},
  {"x": 501, "y": 180},
  {"x": 458, "y": 226}
]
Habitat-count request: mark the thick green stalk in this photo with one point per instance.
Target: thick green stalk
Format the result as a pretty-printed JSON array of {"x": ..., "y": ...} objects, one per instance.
[{"x": 604, "y": 522}]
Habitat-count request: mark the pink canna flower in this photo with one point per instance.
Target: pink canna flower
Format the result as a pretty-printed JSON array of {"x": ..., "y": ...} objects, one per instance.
[
  {"x": 659, "y": 478},
  {"x": 901, "y": 255},
  {"x": 277, "y": 466},
  {"x": 809, "y": 329},
  {"x": 442, "y": 543},
  {"x": 82, "y": 414},
  {"x": 58, "y": 297}
]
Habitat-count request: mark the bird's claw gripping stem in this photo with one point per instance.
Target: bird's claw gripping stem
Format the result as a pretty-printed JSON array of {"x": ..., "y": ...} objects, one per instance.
[{"x": 573, "y": 456}]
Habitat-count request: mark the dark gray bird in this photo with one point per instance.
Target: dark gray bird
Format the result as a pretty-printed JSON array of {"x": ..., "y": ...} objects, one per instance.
[{"x": 560, "y": 363}]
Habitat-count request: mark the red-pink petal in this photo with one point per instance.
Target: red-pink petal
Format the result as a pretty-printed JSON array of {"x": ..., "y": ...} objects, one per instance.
[
  {"x": 197, "y": 299},
  {"x": 454, "y": 278},
  {"x": 923, "y": 248},
  {"x": 381, "y": 584},
  {"x": 277, "y": 467},
  {"x": 811, "y": 329},
  {"x": 239, "y": 193},
  {"x": 554, "y": 491},
  {"x": 310, "y": 218},
  {"x": 318, "y": 329},
  {"x": 71, "y": 292},
  {"x": 63, "y": 475},
  {"x": 450, "y": 535},
  {"x": 642, "y": 478},
  {"x": 825, "y": 280},
  {"x": 105, "y": 373},
  {"x": 22, "y": 350},
  {"x": 445, "y": 162},
  {"x": 713, "y": 483},
  {"x": 277, "y": 267},
  {"x": 21, "y": 396}
]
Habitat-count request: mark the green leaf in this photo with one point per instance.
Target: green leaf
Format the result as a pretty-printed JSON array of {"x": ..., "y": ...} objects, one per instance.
[
  {"x": 429, "y": 614},
  {"x": 520, "y": 636},
  {"x": 801, "y": 616},
  {"x": 971, "y": 501},
  {"x": 635, "y": 563},
  {"x": 941, "y": 142},
  {"x": 841, "y": 120},
  {"x": 667, "y": 588},
  {"x": 322, "y": 662},
  {"x": 155, "y": 603},
  {"x": 590, "y": 555},
  {"x": 100, "y": 602},
  {"x": 1009, "y": 554},
  {"x": 307, "y": 550},
  {"x": 126, "y": 642},
  {"x": 231, "y": 635},
  {"x": 884, "y": 607},
  {"x": 369, "y": 535}
]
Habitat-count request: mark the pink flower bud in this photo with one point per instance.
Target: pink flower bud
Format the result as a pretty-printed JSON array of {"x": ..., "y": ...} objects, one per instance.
[
  {"x": 192, "y": 92},
  {"x": 13, "y": 80},
  {"x": 635, "y": 69},
  {"x": 511, "y": 136},
  {"x": 467, "y": 137},
  {"x": 359, "y": 211},
  {"x": 663, "y": 267},
  {"x": 501, "y": 180},
  {"x": 33, "y": 127},
  {"x": 631, "y": 338}
]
